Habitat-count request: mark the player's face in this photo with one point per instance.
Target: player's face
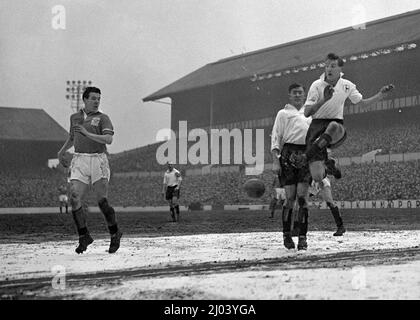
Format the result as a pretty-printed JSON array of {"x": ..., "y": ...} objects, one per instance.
[
  {"x": 332, "y": 70},
  {"x": 92, "y": 102},
  {"x": 170, "y": 167},
  {"x": 297, "y": 97}
]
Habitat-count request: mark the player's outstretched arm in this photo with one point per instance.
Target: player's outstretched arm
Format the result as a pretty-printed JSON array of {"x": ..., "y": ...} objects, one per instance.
[{"x": 382, "y": 94}]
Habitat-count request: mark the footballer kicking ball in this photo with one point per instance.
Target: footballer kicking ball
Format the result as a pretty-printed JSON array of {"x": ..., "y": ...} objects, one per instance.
[{"x": 254, "y": 188}]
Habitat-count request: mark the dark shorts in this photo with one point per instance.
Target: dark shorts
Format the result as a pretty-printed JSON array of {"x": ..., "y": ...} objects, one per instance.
[
  {"x": 316, "y": 129},
  {"x": 171, "y": 192},
  {"x": 291, "y": 175}
]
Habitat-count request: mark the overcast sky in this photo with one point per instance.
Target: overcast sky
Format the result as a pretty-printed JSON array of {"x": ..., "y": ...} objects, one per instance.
[{"x": 132, "y": 48}]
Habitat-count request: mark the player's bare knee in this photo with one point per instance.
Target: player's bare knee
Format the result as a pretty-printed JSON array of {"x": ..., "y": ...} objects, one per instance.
[
  {"x": 75, "y": 199},
  {"x": 333, "y": 128}
]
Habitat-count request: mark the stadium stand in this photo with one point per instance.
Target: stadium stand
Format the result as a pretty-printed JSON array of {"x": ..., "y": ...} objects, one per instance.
[
  {"x": 375, "y": 181},
  {"x": 30, "y": 187},
  {"x": 28, "y": 138},
  {"x": 392, "y": 131}
]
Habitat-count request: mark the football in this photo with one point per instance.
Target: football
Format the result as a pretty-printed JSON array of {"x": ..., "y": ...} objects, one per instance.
[{"x": 254, "y": 188}]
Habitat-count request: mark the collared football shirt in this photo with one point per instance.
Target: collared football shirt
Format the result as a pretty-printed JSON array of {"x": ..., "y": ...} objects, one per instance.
[
  {"x": 333, "y": 108},
  {"x": 97, "y": 123},
  {"x": 172, "y": 178},
  {"x": 290, "y": 126}
]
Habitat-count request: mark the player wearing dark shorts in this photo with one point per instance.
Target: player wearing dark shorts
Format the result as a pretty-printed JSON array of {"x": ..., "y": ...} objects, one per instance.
[
  {"x": 171, "y": 190},
  {"x": 325, "y": 104},
  {"x": 287, "y": 142}
]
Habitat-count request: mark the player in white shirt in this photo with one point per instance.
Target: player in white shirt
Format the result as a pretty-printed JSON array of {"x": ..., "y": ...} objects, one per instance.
[
  {"x": 325, "y": 103},
  {"x": 171, "y": 190},
  {"x": 63, "y": 198},
  {"x": 278, "y": 195},
  {"x": 288, "y": 140}
]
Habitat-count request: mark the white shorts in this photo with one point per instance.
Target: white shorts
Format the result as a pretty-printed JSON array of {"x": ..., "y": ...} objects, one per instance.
[
  {"x": 280, "y": 194},
  {"x": 89, "y": 167},
  {"x": 63, "y": 198}
]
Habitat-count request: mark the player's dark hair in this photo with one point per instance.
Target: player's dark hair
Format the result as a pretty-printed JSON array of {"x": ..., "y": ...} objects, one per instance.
[
  {"x": 333, "y": 56},
  {"x": 294, "y": 86},
  {"x": 88, "y": 90}
]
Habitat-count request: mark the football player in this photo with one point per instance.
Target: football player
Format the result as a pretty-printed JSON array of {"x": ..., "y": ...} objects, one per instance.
[
  {"x": 90, "y": 132},
  {"x": 287, "y": 141},
  {"x": 171, "y": 190},
  {"x": 63, "y": 198},
  {"x": 325, "y": 104}
]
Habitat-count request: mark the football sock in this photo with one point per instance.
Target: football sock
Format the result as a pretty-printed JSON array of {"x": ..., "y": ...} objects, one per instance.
[
  {"x": 82, "y": 231},
  {"x": 113, "y": 229},
  {"x": 79, "y": 218},
  {"x": 336, "y": 215},
  {"x": 287, "y": 219},
  {"x": 303, "y": 221},
  {"x": 107, "y": 211}
]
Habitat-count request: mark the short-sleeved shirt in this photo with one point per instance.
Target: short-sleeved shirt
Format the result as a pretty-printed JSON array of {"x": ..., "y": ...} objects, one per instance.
[
  {"x": 172, "y": 178},
  {"x": 290, "y": 126},
  {"x": 333, "y": 108},
  {"x": 97, "y": 123}
]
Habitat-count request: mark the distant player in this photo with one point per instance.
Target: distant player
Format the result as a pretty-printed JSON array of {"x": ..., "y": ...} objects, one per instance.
[
  {"x": 323, "y": 190},
  {"x": 63, "y": 198},
  {"x": 171, "y": 190},
  {"x": 325, "y": 103},
  {"x": 287, "y": 142},
  {"x": 278, "y": 196}
]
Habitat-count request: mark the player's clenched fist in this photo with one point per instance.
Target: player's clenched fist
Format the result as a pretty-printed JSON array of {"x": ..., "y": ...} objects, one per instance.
[{"x": 328, "y": 92}]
